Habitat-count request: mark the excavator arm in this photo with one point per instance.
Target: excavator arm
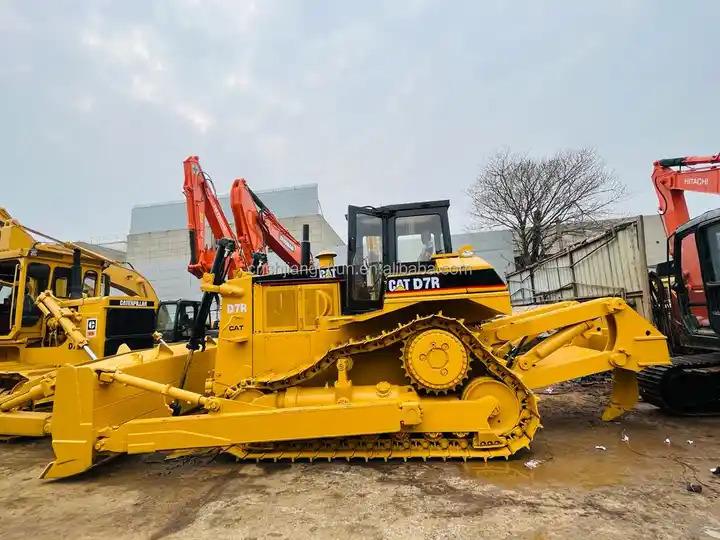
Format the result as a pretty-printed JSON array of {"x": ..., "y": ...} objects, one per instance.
[
  {"x": 673, "y": 177},
  {"x": 202, "y": 203},
  {"x": 256, "y": 227},
  {"x": 129, "y": 281}
]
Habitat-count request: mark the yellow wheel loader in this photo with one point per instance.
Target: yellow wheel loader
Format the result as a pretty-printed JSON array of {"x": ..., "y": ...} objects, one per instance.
[
  {"x": 61, "y": 304},
  {"x": 408, "y": 351}
]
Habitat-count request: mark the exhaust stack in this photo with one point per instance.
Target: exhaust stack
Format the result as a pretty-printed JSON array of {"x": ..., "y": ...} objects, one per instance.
[{"x": 305, "y": 247}]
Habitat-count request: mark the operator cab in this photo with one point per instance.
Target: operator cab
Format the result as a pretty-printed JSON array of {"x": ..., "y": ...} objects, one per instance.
[
  {"x": 696, "y": 279},
  {"x": 390, "y": 239},
  {"x": 23, "y": 278},
  {"x": 176, "y": 318}
]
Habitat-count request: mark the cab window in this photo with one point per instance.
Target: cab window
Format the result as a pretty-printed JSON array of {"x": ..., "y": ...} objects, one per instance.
[
  {"x": 90, "y": 283},
  {"x": 186, "y": 319},
  {"x": 692, "y": 282},
  {"x": 418, "y": 237},
  {"x": 61, "y": 282},
  {"x": 366, "y": 275},
  {"x": 713, "y": 240},
  {"x": 369, "y": 240},
  {"x": 38, "y": 277},
  {"x": 166, "y": 317}
]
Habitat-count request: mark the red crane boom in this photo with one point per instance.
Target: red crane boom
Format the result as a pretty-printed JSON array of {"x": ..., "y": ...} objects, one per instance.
[{"x": 202, "y": 203}]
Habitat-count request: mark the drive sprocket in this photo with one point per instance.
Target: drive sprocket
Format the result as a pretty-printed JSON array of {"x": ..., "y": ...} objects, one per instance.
[{"x": 436, "y": 360}]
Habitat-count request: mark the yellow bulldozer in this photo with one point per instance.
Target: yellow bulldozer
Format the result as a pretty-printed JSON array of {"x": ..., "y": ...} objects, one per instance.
[
  {"x": 410, "y": 350},
  {"x": 62, "y": 303}
]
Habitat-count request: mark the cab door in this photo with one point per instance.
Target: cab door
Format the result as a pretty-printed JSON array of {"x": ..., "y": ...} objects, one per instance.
[
  {"x": 708, "y": 243},
  {"x": 10, "y": 296},
  {"x": 689, "y": 282},
  {"x": 367, "y": 251}
]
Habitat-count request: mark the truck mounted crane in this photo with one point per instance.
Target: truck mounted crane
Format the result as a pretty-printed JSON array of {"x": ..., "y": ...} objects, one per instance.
[{"x": 686, "y": 290}]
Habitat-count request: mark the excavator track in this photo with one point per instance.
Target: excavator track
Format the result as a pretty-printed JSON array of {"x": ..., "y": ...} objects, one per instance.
[
  {"x": 403, "y": 445},
  {"x": 690, "y": 386}
]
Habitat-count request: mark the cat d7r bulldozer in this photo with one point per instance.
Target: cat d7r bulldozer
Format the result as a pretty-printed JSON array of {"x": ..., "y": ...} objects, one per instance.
[{"x": 408, "y": 351}]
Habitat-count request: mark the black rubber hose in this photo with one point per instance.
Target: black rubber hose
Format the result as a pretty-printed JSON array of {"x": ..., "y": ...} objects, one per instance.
[{"x": 225, "y": 247}]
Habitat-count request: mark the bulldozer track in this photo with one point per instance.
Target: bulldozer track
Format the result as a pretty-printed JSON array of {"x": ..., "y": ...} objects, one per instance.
[
  {"x": 402, "y": 445},
  {"x": 381, "y": 447}
]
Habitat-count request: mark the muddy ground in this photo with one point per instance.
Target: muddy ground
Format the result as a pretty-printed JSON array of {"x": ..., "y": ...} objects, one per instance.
[{"x": 635, "y": 489}]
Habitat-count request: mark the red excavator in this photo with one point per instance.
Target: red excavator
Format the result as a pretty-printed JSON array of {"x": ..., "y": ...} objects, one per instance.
[
  {"x": 686, "y": 291},
  {"x": 256, "y": 227}
]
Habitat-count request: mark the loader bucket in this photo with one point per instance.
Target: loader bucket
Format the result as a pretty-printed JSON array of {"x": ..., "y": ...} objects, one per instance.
[{"x": 85, "y": 406}]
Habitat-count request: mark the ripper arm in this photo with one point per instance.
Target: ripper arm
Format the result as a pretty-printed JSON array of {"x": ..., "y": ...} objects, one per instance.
[{"x": 581, "y": 339}]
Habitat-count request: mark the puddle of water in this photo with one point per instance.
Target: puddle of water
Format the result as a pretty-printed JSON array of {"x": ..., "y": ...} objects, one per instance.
[
  {"x": 575, "y": 460},
  {"x": 590, "y": 471}
]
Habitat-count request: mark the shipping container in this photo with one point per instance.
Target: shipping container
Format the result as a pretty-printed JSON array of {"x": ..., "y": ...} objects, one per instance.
[{"x": 613, "y": 263}]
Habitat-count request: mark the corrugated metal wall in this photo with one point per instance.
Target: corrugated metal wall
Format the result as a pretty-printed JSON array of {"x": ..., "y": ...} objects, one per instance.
[{"x": 611, "y": 264}]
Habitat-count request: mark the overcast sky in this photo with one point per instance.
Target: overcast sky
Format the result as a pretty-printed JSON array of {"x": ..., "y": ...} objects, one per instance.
[{"x": 377, "y": 102}]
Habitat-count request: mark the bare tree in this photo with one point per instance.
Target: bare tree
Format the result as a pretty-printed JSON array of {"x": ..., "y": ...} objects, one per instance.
[{"x": 540, "y": 200}]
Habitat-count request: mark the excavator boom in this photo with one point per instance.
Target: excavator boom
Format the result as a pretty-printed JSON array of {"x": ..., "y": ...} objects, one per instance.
[
  {"x": 259, "y": 227},
  {"x": 202, "y": 204},
  {"x": 700, "y": 174},
  {"x": 256, "y": 227},
  {"x": 121, "y": 276}
]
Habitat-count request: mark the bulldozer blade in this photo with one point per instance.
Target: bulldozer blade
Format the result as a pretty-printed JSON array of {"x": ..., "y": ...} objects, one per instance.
[
  {"x": 72, "y": 427},
  {"x": 85, "y": 406}
]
